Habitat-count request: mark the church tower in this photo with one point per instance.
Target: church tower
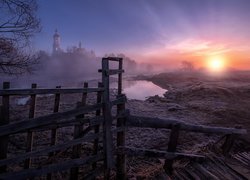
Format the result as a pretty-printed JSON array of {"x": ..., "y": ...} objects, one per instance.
[{"x": 56, "y": 43}]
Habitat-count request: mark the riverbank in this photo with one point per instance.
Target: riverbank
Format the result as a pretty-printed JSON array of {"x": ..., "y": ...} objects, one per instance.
[{"x": 203, "y": 99}]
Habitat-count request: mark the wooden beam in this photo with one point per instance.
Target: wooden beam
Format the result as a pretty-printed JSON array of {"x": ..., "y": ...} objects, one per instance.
[
  {"x": 108, "y": 139},
  {"x": 111, "y": 72},
  {"x": 149, "y": 122},
  {"x": 120, "y": 78},
  {"x": 4, "y": 119},
  {"x": 120, "y": 142},
  {"x": 45, "y": 120},
  {"x": 12, "y": 92},
  {"x": 228, "y": 144},
  {"x": 78, "y": 130},
  {"x": 131, "y": 151},
  {"x": 29, "y": 145},
  {"x": 112, "y": 58},
  {"x": 55, "y": 110},
  {"x": 97, "y": 127},
  {"x": 54, "y": 130},
  {"x": 172, "y": 145}
]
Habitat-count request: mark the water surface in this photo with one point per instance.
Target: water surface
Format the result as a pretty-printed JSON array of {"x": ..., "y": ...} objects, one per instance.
[{"x": 140, "y": 89}]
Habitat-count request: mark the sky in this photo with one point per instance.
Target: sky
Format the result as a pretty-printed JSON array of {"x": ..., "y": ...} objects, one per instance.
[{"x": 152, "y": 31}]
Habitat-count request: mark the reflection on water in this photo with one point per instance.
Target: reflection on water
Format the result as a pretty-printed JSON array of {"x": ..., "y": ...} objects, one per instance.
[{"x": 140, "y": 89}]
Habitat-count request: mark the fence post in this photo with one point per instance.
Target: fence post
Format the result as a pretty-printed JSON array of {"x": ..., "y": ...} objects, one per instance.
[
  {"x": 4, "y": 119},
  {"x": 107, "y": 139},
  {"x": 97, "y": 127},
  {"x": 54, "y": 130},
  {"x": 226, "y": 147},
  {"x": 121, "y": 158},
  {"x": 27, "y": 162},
  {"x": 172, "y": 144},
  {"x": 77, "y": 132},
  {"x": 120, "y": 78}
]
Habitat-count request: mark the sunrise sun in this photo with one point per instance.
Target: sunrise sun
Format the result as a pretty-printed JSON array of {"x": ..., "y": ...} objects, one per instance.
[{"x": 216, "y": 64}]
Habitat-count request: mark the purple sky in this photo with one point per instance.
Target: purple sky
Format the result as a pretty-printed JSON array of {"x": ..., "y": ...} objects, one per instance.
[{"x": 144, "y": 28}]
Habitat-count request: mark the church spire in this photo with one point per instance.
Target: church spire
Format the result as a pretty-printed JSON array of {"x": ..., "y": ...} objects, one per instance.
[{"x": 56, "y": 42}]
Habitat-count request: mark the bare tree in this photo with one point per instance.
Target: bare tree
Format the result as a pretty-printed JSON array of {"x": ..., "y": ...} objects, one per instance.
[
  {"x": 187, "y": 66},
  {"x": 18, "y": 23}
]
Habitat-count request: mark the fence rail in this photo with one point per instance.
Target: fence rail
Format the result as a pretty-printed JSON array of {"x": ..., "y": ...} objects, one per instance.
[
  {"x": 15, "y": 92},
  {"x": 51, "y": 119},
  {"x": 150, "y": 122}
]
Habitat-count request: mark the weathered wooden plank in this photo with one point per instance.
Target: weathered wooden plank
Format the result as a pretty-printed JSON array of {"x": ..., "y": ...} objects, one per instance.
[
  {"x": 121, "y": 158},
  {"x": 54, "y": 130},
  {"x": 4, "y": 119},
  {"x": 120, "y": 78},
  {"x": 97, "y": 127},
  {"x": 48, "y": 91},
  {"x": 84, "y": 94},
  {"x": 29, "y": 173},
  {"x": 111, "y": 72},
  {"x": 112, "y": 58},
  {"x": 138, "y": 121},
  {"x": 226, "y": 147},
  {"x": 131, "y": 151},
  {"x": 77, "y": 132},
  {"x": 45, "y": 120},
  {"x": 172, "y": 144},
  {"x": 29, "y": 144},
  {"x": 108, "y": 139},
  {"x": 47, "y": 150},
  {"x": 55, "y": 110}
]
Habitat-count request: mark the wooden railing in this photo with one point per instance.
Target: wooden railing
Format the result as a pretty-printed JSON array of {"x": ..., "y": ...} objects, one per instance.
[
  {"x": 175, "y": 127},
  {"x": 97, "y": 129}
]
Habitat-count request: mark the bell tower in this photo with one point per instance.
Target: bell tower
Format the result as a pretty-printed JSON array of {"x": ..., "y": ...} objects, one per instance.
[{"x": 56, "y": 43}]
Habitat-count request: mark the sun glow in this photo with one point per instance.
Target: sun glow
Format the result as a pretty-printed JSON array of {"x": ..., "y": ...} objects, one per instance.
[{"x": 216, "y": 64}]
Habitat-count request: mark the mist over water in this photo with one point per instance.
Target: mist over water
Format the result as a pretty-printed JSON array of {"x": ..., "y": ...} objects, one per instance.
[
  {"x": 72, "y": 68},
  {"x": 140, "y": 89}
]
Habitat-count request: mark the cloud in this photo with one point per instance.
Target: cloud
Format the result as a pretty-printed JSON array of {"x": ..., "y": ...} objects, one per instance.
[{"x": 199, "y": 47}]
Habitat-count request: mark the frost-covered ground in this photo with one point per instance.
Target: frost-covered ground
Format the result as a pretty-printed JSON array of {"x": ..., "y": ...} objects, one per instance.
[
  {"x": 223, "y": 101},
  {"x": 191, "y": 97}
]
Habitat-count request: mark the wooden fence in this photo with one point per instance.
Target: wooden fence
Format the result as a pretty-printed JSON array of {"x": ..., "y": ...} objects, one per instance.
[
  {"x": 100, "y": 128},
  {"x": 95, "y": 128}
]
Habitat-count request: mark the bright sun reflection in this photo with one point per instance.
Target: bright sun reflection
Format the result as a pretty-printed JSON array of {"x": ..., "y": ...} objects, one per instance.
[{"x": 216, "y": 64}]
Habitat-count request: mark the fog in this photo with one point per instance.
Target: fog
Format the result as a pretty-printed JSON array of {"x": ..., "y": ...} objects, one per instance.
[{"x": 73, "y": 67}]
